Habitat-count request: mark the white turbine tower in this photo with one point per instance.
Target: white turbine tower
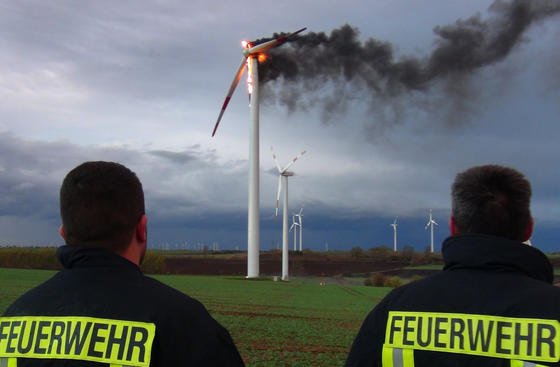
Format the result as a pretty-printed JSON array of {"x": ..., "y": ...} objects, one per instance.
[
  {"x": 293, "y": 227},
  {"x": 394, "y": 225},
  {"x": 430, "y": 224},
  {"x": 251, "y": 53},
  {"x": 299, "y": 216},
  {"x": 283, "y": 175}
]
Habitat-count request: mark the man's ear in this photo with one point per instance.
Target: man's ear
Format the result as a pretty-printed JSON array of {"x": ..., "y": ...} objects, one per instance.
[
  {"x": 453, "y": 226},
  {"x": 529, "y": 230},
  {"x": 141, "y": 231},
  {"x": 62, "y": 232}
]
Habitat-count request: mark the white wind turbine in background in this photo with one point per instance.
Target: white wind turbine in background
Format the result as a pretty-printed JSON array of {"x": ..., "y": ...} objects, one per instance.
[
  {"x": 294, "y": 228},
  {"x": 430, "y": 224},
  {"x": 252, "y": 51},
  {"x": 283, "y": 175},
  {"x": 394, "y": 225},
  {"x": 299, "y": 216}
]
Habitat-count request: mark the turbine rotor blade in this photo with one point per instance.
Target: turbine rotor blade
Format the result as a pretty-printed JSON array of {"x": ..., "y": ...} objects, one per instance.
[
  {"x": 261, "y": 47},
  {"x": 230, "y": 92},
  {"x": 293, "y": 161},
  {"x": 276, "y": 160},
  {"x": 278, "y": 195},
  {"x": 283, "y": 39},
  {"x": 296, "y": 32}
]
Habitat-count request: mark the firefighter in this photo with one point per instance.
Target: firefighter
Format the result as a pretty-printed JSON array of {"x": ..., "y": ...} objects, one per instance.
[
  {"x": 100, "y": 310},
  {"x": 492, "y": 305}
]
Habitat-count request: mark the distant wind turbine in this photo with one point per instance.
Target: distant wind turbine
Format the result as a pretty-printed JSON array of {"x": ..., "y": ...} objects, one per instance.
[
  {"x": 394, "y": 225},
  {"x": 294, "y": 227},
  {"x": 430, "y": 224},
  {"x": 283, "y": 175},
  {"x": 252, "y": 52},
  {"x": 299, "y": 216}
]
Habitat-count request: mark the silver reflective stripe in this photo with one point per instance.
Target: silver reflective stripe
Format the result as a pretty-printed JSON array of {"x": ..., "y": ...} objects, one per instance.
[
  {"x": 3, "y": 362},
  {"x": 398, "y": 357},
  {"x": 518, "y": 363}
]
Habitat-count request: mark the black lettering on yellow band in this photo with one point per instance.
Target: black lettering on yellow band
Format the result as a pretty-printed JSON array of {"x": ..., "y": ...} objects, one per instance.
[
  {"x": 116, "y": 342},
  {"x": 493, "y": 336}
]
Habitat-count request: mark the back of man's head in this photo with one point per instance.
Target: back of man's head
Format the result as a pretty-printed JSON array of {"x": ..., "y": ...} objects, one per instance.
[
  {"x": 492, "y": 200},
  {"x": 100, "y": 205}
]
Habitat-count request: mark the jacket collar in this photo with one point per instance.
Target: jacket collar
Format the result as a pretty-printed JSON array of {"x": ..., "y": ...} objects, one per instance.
[
  {"x": 489, "y": 252},
  {"x": 76, "y": 256}
]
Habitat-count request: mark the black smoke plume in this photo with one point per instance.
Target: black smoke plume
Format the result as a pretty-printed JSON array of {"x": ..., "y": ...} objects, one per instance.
[{"x": 340, "y": 59}]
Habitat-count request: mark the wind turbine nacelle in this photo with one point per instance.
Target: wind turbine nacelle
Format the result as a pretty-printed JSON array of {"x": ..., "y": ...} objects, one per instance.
[
  {"x": 288, "y": 173},
  {"x": 259, "y": 48}
]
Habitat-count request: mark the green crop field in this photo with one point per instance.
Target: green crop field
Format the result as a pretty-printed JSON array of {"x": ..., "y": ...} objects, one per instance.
[{"x": 296, "y": 323}]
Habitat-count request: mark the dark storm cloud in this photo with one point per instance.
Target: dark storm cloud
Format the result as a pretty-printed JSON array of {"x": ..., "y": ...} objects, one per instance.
[
  {"x": 29, "y": 177},
  {"x": 174, "y": 157},
  {"x": 370, "y": 71},
  {"x": 31, "y": 173}
]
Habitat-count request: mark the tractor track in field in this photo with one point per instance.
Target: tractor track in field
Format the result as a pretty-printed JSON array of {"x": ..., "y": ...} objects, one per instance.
[
  {"x": 273, "y": 315},
  {"x": 301, "y": 348},
  {"x": 342, "y": 284}
]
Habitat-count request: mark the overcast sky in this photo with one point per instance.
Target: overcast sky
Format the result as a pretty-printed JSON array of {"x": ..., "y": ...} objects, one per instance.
[{"x": 142, "y": 83}]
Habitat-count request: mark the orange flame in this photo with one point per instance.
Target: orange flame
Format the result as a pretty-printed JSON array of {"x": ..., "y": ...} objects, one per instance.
[{"x": 249, "y": 76}]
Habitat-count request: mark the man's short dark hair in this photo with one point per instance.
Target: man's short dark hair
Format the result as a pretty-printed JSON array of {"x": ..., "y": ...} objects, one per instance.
[
  {"x": 100, "y": 205},
  {"x": 492, "y": 200}
]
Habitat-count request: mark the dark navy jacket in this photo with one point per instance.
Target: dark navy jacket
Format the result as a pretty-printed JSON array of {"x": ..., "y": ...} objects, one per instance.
[
  {"x": 99, "y": 283},
  {"x": 483, "y": 275}
]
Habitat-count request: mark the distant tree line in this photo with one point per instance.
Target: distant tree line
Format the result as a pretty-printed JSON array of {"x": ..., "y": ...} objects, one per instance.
[
  {"x": 45, "y": 258},
  {"x": 407, "y": 254}
]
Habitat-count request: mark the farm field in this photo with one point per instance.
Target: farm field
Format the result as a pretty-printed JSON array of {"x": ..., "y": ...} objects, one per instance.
[{"x": 296, "y": 323}]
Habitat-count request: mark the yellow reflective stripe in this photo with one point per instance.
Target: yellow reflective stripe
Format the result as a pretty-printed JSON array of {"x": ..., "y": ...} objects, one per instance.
[
  {"x": 397, "y": 357},
  {"x": 408, "y": 357},
  {"x": 492, "y": 336},
  {"x": 386, "y": 357},
  {"x": 117, "y": 342}
]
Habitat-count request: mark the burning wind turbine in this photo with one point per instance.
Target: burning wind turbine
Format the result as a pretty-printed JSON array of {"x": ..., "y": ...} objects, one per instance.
[{"x": 252, "y": 51}]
